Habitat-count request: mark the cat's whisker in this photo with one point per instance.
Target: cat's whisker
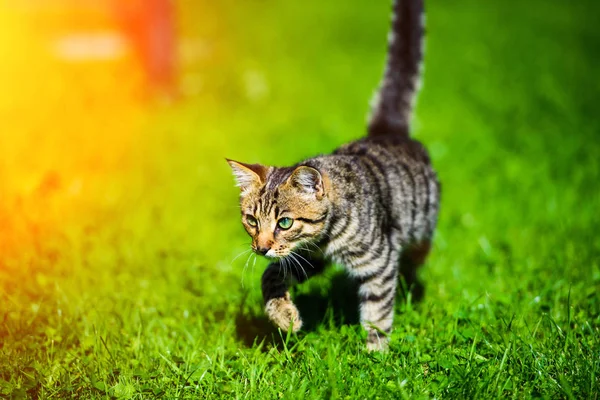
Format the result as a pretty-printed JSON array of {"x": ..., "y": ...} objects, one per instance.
[
  {"x": 253, "y": 262},
  {"x": 293, "y": 257},
  {"x": 283, "y": 264},
  {"x": 252, "y": 268},
  {"x": 295, "y": 263},
  {"x": 292, "y": 264},
  {"x": 302, "y": 267},
  {"x": 245, "y": 266},
  {"x": 290, "y": 259},
  {"x": 241, "y": 254},
  {"x": 288, "y": 267},
  {"x": 317, "y": 248},
  {"x": 308, "y": 262},
  {"x": 310, "y": 251}
]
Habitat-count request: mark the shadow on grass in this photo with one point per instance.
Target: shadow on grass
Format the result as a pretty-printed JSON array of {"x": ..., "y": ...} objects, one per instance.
[
  {"x": 338, "y": 307},
  {"x": 253, "y": 329}
]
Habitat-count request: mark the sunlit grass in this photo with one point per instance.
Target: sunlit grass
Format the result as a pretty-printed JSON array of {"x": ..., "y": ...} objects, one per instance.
[{"x": 119, "y": 225}]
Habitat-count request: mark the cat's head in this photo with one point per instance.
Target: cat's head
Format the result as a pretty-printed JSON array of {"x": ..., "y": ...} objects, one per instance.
[{"x": 283, "y": 209}]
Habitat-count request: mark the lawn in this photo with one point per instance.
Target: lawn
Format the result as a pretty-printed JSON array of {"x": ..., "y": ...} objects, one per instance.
[{"x": 123, "y": 264}]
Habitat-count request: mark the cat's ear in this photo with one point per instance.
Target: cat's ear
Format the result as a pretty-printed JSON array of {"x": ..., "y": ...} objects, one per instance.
[
  {"x": 248, "y": 176},
  {"x": 308, "y": 180}
]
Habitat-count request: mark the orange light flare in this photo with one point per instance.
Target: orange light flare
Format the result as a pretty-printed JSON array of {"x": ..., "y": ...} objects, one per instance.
[{"x": 69, "y": 112}]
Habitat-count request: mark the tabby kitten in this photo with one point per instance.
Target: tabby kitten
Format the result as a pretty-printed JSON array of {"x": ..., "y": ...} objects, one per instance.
[{"x": 371, "y": 206}]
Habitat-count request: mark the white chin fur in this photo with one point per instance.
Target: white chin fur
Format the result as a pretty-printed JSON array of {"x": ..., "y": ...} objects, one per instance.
[{"x": 271, "y": 254}]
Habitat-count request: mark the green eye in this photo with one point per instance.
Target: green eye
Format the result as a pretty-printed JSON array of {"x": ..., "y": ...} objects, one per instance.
[
  {"x": 251, "y": 220},
  {"x": 285, "y": 223}
]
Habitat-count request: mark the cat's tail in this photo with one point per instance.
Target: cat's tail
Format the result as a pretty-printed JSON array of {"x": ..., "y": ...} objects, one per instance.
[{"x": 393, "y": 102}]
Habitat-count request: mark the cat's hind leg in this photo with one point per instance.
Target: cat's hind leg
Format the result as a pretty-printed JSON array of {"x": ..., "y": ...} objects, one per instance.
[{"x": 413, "y": 256}]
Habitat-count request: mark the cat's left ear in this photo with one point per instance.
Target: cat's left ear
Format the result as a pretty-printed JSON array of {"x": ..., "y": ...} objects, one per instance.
[
  {"x": 308, "y": 180},
  {"x": 248, "y": 176}
]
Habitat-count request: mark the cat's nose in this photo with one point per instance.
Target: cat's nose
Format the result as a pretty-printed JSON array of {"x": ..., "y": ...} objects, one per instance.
[{"x": 262, "y": 250}]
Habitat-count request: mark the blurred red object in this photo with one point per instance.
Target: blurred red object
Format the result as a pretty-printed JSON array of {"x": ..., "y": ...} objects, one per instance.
[{"x": 150, "y": 26}]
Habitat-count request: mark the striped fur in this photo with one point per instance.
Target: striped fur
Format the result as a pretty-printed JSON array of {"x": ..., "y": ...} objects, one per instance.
[
  {"x": 371, "y": 206},
  {"x": 393, "y": 103}
]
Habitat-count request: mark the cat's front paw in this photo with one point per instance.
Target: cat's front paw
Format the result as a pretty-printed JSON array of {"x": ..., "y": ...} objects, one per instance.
[{"x": 284, "y": 314}]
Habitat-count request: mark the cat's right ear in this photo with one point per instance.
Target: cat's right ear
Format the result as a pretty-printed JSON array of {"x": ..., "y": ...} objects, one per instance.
[
  {"x": 248, "y": 176},
  {"x": 308, "y": 180}
]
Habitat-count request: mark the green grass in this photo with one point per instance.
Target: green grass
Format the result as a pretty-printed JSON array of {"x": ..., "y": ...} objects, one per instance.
[{"x": 140, "y": 297}]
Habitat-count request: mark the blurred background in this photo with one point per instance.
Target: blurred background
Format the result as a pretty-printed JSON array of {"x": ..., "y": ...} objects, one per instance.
[
  {"x": 116, "y": 118},
  {"x": 82, "y": 81},
  {"x": 112, "y": 109}
]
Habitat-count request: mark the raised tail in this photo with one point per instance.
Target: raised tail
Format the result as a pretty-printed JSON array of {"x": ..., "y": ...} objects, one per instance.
[{"x": 392, "y": 106}]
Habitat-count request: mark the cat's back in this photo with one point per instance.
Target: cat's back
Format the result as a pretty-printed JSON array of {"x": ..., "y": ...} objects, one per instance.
[
  {"x": 389, "y": 152},
  {"x": 400, "y": 170}
]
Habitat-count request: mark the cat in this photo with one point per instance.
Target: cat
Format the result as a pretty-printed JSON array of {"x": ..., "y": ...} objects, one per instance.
[{"x": 371, "y": 206}]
